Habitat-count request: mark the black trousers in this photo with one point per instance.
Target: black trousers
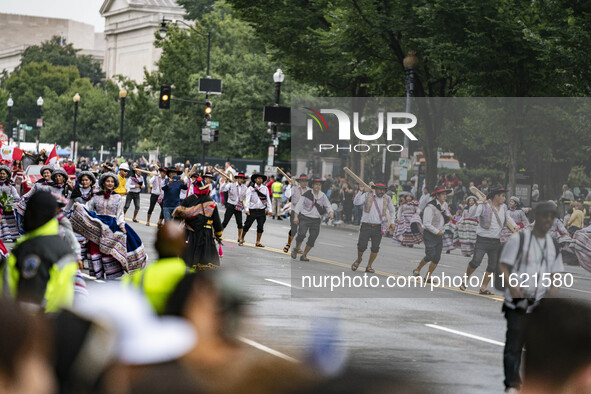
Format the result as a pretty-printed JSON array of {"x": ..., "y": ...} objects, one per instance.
[
  {"x": 135, "y": 197},
  {"x": 153, "y": 201},
  {"x": 311, "y": 225},
  {"x": 258, "y": 215},
  {"x": 367, "y": 232},
  {"x": 513, "y": 346},
  {"x": 433, "y": 247},
  {"x": 231, "y": 211}
]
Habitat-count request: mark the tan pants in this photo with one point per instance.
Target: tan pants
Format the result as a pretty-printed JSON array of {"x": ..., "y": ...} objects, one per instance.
[{"x": 276, "y": 203}]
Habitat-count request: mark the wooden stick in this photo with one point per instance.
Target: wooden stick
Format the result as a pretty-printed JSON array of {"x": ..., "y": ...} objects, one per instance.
[
  {"x": 223, "y": 174},
  {"x": 144, "y": 171},
  {"x": 480, "y": 195},
  {"x": 356, "y": 178},
  {"x": 285, "y": 175}
]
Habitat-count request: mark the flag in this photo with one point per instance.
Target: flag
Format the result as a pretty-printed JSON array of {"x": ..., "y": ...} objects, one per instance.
[
  {"x": 11, "y": 153},
  {"x": 52, "y": 158}
]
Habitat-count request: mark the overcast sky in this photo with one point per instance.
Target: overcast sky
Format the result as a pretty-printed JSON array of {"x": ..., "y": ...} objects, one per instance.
[{"x": 86, "y": 11}]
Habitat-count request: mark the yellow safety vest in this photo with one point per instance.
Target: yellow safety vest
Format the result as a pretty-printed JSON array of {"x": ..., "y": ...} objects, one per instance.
[
  {"x": 121, "y": 188},
  {"x": 276, "y": 188}
]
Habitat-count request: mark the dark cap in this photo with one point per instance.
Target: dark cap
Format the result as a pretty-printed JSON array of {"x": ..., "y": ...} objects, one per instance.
[
  {"x": 545, "y": 207},
  {"x": 41, "y": 208}
]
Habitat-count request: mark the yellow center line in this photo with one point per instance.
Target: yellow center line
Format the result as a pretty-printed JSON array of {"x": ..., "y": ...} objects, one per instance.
[{"x": 381, "y": 273}]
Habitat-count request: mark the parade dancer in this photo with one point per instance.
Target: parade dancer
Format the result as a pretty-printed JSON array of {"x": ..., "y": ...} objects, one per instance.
[
  {"x": 60, "y": 184},
  {"x": 257, "y": 207},
  {"x": 203, "y": 225},
  {"x": 408, "y": 222},
  {"x": 156, "y": 195},
  {"x": 308, "y": 213},
  {"x": 81, "y": 194},
  {"x": 8, "y": 199},
  {"x": 375, "y": 204},
  {"x": 466, "y": 227},
  {"x": 435, "y": 216},
  {"x": 294, "y": 193},
  {"x": 136, "y": 183},
  {"x": 492, "y": 217},
  {"x": 235, "y": 203},
  {"x": 114, "y": 247},
  {"x": 518, "y": 216}
]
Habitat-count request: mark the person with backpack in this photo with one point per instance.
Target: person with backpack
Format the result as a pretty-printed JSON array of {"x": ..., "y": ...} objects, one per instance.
[
  {"x": 530, "y": 266},
  {"x": 492, "y": 214}
]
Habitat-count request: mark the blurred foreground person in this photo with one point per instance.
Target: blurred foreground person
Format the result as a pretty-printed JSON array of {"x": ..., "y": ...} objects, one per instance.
[
  {"x": 527, "y": 258},
  {"x": 159, "y": 279},
  {"x": 220, "y": 362},
  {"x": 24, "y": 352},
  {"x": 558, "y": 343},
  {"x": 41, "y": 269},
  {"x": 135, "y": 351}
]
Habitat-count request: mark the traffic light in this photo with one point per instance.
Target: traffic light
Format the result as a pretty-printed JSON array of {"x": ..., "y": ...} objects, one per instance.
[
  {"x": 215, "y": 134},
  {"x": 164, "y": 102},
  {"x": 208, "y": 110},
  {"x": 15, "y": 133}
]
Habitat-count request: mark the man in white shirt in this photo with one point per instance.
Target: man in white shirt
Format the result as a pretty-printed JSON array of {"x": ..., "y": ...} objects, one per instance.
[
  {"x": 257, "y": 207},
  {"x": 435, "y": 216},
  {"x": 135, "y": 186},
  {"x": 235, "y": 203},
  {"x": 375, "y": 207},
  {"x": 307, "y": 215},
  {"x": 492, "y": 218},
  {"x": 531, "y": 263},
  {"x": 155, "y": 193},
  {"x": 293, "y": 194}
]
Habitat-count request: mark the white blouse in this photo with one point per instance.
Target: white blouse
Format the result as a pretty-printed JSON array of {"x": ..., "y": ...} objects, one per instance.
[{"x": 112, "y": 206}]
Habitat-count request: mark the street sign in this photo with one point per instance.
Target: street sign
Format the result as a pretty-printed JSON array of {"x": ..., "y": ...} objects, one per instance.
[
  {"x": 277, "y": 114},
  {"x": 213, "y": 124},
  {"x": 3, "y": 137},
  {"x": 206, "y": 131},
  {"x": 405, "y": 163},
  {"x": 210, "y": 85}
]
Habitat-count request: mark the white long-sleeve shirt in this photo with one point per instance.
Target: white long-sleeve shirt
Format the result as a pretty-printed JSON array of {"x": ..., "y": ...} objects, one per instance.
[
  {"x": 295, "y": 193},
  {"x": 236, "y": 192},
  {"x": 373, "y": 217},
  {"x": 495, "y": 230},
  {"x": 433, "y": 220},
  {"x": 308, "y": 207},
  {"x": 423, "y": 201},
  {"x": 156, "y": 182},
  {"x": 254, "y": 202}
]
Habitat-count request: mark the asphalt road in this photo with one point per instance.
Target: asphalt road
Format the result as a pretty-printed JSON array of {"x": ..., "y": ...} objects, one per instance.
[{"x": 444, "y": 339}]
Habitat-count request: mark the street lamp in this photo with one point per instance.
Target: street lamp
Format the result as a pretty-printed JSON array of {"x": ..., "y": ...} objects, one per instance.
[
  {"x": 76, "y": 99},
  {"x": 163, "y": 30},
  {"x": 122, "y": 96},
  {"x": 39, "y": 121},
  {"x": 9, "y": 104},
  {"x": 278, "y": 78},
  {"x": 410, "y": 63}
]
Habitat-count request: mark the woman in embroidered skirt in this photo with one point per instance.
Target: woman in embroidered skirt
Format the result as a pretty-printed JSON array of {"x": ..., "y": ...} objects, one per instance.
[
  {"x": 203, "y": 226},
  {"x": 582, "y": 247},
  {"x": 60, "y": 183},
  {"x": 408, "y": 231},
  {"x": 518, "y": 216},
  {"x": 82, "y": 193},
  {"x": 9, "y": 197},
  {"x": 466, "y": 227},
  {"x": 114, "y": 247}
]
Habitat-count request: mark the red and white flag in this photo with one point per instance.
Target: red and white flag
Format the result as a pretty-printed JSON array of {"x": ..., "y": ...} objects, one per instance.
[
  {"x": 52, "y": 158},
  {"x": 11, "y": 153}
]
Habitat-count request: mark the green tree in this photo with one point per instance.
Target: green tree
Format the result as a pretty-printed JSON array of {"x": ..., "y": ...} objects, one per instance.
[{"x": 55, "y": 51}]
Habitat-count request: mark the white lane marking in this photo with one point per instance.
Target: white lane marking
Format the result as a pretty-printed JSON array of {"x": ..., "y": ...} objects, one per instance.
[
  {"x": 282, "y": 283},
  {"x": 465, "y": 334},
  {"x": 267, "y": 349},
  {"x": 86, "y": 276},
  {"x": 570, "y": 288}
]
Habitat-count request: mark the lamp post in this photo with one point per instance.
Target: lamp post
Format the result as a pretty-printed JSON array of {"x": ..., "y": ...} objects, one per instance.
[
  {"x": 163, "y": 30},
  {"x": 122, "y": 96},
  {"x": 9, "y": 104},
  {"x": 76, "y": 99},
  {"x": 410, "y": 63},
  {"x": 39, "y": 122},
  {"x": 278, "y": 78}
]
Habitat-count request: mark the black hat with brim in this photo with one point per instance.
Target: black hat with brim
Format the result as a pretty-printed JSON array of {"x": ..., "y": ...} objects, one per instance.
[
  {"x": 379, "y": 185},
  {"x": 545, "y": 207},
  {"x": 441, "y": 190},
  {"x": 496, "y": 190},
  {"x": 253, "y": 177},
  {"x": 303, "y": 178}
]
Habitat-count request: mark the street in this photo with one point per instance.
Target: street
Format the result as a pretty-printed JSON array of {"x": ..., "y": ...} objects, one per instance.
[{"x": 451, "y": 341}]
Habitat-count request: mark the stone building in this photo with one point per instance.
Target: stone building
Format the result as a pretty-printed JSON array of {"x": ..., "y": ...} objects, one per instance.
[
  {"x": 21, "y": 31},
  {"x": 129, "y": 30}
]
